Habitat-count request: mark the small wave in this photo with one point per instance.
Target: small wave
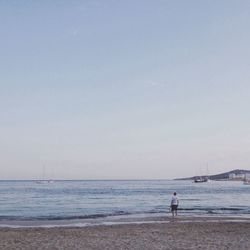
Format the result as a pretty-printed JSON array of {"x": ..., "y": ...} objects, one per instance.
[
  {"x": 213, "y": 208},
  {"x": 187, "y": 199},
  {"x": 230, "y": 209},
  {"x": 57, "y": 218}
]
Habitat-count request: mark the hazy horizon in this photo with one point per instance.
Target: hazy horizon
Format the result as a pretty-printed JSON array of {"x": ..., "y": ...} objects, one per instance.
[{"x": 124, "y": 89}]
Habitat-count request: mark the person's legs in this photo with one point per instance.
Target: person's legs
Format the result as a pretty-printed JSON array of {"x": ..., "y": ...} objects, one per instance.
[
  {"x": 172, "y": 210},
  {"x": 176, "y": 210}
]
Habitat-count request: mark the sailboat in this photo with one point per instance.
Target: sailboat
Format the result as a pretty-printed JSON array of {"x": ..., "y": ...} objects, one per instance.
[
  {"x": 43, "y": 180},
  {"x": 247, "y": 179},
  {"x": 200, "y": 179}
]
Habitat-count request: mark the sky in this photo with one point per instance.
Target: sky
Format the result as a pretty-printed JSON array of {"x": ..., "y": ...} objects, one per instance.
[{"x": 152, "y": 89}]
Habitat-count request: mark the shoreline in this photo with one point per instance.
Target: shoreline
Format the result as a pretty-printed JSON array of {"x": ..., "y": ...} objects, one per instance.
[
  {"x": 120, "y": 220},
  {"x": 180, "y": 233}
]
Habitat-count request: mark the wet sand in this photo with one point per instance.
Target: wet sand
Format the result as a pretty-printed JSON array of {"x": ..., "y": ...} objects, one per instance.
[{"x": 177, "y": 234}]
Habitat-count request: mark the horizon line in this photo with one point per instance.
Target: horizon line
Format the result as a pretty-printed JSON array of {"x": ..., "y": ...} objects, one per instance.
[{"x": 157, "y": 179}]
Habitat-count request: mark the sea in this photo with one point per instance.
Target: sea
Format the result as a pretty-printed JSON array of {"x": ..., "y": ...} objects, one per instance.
[{"x": 92, "y": 202}]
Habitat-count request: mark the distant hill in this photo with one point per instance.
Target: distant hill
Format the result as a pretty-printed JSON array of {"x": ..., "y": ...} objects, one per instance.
[{"x": 222, "y": 176}]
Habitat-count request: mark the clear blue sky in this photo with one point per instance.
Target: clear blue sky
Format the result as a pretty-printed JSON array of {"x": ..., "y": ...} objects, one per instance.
[{"x": 123, "y": 89}]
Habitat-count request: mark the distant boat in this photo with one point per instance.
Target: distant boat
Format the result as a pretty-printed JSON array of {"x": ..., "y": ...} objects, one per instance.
[
  {"x": 43, "y": 180},
  {"x": 200, "y": 179},
  {"x": 247, "y": 179}
]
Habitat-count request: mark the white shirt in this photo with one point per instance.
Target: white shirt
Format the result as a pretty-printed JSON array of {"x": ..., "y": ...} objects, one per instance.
[{"x": 174, "y": 200}]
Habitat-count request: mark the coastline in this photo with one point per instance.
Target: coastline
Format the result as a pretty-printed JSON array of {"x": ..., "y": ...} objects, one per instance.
[
  {"x": 179, "y": 233},
  {"x": 136, "y": 219},
  {"x": 121, "y": 220}
]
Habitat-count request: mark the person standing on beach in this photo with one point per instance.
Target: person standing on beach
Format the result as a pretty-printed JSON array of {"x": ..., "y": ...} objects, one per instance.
[{"x": 174, "y": 204}]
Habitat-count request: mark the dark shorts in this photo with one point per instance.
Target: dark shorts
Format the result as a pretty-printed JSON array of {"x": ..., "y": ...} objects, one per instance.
[{"x": 174, "y": 207}]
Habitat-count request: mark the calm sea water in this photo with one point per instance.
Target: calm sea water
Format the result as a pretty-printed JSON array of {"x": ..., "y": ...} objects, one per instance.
[{"x": 27, "y": 200}]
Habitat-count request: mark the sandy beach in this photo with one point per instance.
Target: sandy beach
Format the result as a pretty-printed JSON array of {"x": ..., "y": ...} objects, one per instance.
[{"x": 178, "y": 234}]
